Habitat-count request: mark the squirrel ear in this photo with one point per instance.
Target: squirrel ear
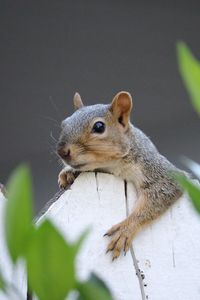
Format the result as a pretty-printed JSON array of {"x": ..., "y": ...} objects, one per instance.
[
  {"x": 121, "y": 107},
  {"x": 77, "y": 101}
]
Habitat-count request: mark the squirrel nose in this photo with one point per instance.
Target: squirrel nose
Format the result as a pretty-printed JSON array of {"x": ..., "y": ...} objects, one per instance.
[{"x": 64, "y": 151}]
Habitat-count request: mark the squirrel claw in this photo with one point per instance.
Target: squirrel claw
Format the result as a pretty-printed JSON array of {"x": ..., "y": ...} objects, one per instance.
[
  {"x": 112, "y": 230},
  {"x": 65, "y": 178},
  {"x": 121, "y": 241},
  {"x": 114, "y": 257},
  {"x": 62, "y": 187}
]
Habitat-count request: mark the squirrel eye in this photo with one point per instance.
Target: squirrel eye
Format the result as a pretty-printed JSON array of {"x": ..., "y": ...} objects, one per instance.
[{"x": 98, "y": 127}]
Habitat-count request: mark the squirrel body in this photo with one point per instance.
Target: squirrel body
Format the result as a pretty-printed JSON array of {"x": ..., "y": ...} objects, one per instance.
[{"x": 101, "y": 138}]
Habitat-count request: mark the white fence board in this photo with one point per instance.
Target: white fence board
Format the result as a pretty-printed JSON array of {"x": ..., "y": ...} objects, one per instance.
[{"x": 167, "y": 252}]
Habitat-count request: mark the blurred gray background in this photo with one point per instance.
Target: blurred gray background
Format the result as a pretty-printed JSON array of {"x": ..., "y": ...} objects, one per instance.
[{"x": 51, "y": 49}]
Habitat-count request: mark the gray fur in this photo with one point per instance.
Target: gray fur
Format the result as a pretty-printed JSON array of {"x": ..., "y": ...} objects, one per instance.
[
  {"x": 158, "y": 185},
  {"x": 74, "y": 125},
  {"x": 143, "y": 164}
]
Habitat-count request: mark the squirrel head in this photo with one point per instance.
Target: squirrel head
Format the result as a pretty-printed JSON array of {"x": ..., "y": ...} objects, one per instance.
[{"x": 96, "y": 136}]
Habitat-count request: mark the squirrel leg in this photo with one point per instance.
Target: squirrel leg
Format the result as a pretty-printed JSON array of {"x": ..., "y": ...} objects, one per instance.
[
  {"x": 148, "y": 208},
  {"x": 66, "y": 177}
]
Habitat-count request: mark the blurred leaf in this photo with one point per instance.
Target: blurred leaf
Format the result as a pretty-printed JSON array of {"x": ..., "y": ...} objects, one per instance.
[
  {"x": 19, "y": 213},
  {"x": 192, "y": 165},
  {"x": 94, "y": 288},
  {"x": 190, "y": 70},
  {"x": 96, "y": 280},
  {"x": 50, "y": 262},
  {"x": 2, "y": 283},
  {"x": 192, "y": 189},
  {"x": 78, "y": 244}
]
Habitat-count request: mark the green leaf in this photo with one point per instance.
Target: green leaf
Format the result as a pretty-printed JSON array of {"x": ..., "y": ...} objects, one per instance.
[
  {"x": 98, "y": 281},
  {"x": 78, "y": 244},
  {"x": 2, "y": 283},
  {"x": 190, "y": 71},
  {"x": 192, "y": 165},
  {"x": 50, "y": 263},
  {"x": 94, "y": 288},
  {"x": 192, "y": 189},
  {"x": 19, "y": 212}
]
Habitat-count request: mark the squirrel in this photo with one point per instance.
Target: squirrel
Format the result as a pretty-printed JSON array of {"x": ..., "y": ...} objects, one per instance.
[{"x": 101, "y": 138}]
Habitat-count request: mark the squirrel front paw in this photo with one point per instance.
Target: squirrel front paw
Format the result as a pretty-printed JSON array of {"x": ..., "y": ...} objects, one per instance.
[
  {"x": 66, "y": 178},
  {"x": 122, "y": 236}
]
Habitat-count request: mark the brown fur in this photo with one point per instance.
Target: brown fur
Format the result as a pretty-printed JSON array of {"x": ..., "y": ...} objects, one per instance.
[{"x": 124, "y": 151}]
